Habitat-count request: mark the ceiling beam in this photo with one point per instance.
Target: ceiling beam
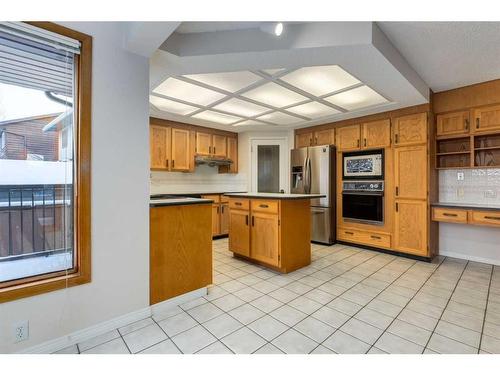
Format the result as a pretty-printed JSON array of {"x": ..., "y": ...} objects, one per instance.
[{"x": 144, "y": 38}]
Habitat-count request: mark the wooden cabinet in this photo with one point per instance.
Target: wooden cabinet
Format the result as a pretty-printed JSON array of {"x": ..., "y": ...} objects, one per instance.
[
  {"x": 450, "y": 124},
  {"x": 219, "y": 145},
  {"x": 349, "y": 138},
  {"x": 410, "y": 172},
  {"x": 180, "y": 150},
  {"x": 487, "y": 118},
  {"x": 303, "y": 140},
  {"x": 215, "y": 219},
  {"x": 376, "y": 134},
  {"x": 410, "y": 227},
  {"x": 232, "y": 153},
  {"x": 450, "y": 215},
  {"x": 317, "y": 138},
  {"x": 224, "y": 218},
  {"x": 211, "y": 144},
  {"x": 220, "y": 214},
  {"x": 365, "y": 237},
  {"x": 410, "y": 130},
  {"x": 159, "y": 144},
  {"x": 265, "y": 237},
  {"x": 239, "y": 229},
  {"x": 489, "y": 218}
]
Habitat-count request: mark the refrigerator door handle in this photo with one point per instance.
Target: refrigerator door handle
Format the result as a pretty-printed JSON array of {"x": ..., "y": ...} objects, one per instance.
[
  {"x": 304, "y": 173},
  {"x": 309, "y": 177}
]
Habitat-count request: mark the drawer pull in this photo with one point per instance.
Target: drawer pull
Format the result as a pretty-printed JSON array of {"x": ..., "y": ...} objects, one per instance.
[
  {"x": 492, "y": 217},
  {"x": 246, "y": 219},
  {"x": 237, "y": 203},
  {"x": 263, "y": 205},
  {"x": 448, "y": 214},
  {"x": 376, "y": 237},
  {"x": 351, "y": 233}
]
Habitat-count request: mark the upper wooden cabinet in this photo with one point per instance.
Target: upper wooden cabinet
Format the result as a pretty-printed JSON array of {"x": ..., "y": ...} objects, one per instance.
[
  {"x": 232, "y": 153},
  {"x": 487, "y": 118},
  {"x": 376, "y": 134},
  {"x": 410, "y": 130},
  {"x": 203, "y": 143},
  {"x": 451, "y": 124},
  {"x": 219, "y": 145},
  {"x": 181, "y": 154},
  {"x": 349, "y": 138},
  {"x": 410, "y": 172},
  {"x": 159, "y": 144},
  {"x": 317, "y": 138}
]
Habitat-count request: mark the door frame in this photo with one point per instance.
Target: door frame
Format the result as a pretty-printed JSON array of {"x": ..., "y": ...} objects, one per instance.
[{"x": 284, "y": 160}]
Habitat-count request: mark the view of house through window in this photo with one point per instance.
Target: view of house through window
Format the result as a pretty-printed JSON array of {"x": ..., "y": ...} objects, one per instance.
[{"x": 36, "y": 157}]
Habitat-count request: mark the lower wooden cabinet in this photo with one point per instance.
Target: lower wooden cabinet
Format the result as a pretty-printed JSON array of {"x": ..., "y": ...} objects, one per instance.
[
  {"x": 265, "y": 238},
  {"x": 365, "y": 237},
  {"x": 449, "y": 215},
  {"x": 220, "y": 214},
  {"x": 410, "y": 227},
  {"x": 215, "y": 219},
  {"x": 239, "y": 227},
  {"x": 466, "y": 216},
  {"x": 224, "y": 218}
]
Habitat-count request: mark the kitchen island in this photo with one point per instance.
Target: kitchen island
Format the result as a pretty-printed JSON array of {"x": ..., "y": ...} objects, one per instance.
[
  {"x": 271, "y": 229},
  {"x": 180, "y": 246}
]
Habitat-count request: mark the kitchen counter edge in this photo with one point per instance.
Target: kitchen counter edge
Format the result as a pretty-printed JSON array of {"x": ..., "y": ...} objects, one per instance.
[
  {"x": 274, "y": 196},
  {"x": 466, "y": 206}
]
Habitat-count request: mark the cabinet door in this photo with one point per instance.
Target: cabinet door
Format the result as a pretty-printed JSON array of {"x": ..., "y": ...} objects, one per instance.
[
  {"x": 180, "y": 150},
  {"x": 410, "y": 230},
  {"x": 452, "y": 123},
  {"x": 203, "y": 143},
  {"x": 219, "y": 145},
  {"x": 348, "y": 138},
  {"x": 303, "y": 140},
  {"x": 487, "y": 118},
  {"x": 215, "y": 219},
  {"x": 410, "y": 130},
  {"x": 377, "y": 134},
  {"x": 232, "y": 153},
  {"x": 159, "y": 147},
  {"x": 265, "y": 238},
  {"x": 224, "y": 218},
  {"x": 324, "y": 137},
  {"x": 239, "y": 232},
  {"x": 410, "y": 172}
]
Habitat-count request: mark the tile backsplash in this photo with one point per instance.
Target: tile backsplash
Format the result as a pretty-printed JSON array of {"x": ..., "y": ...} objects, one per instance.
[{"x": 479, "y": 186}]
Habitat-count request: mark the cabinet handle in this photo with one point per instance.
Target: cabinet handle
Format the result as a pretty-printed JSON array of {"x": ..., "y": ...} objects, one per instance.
[
  {"x": 263, "y": 205},
  {"x": 173, "y": 163},
  {"x": 351, "y": 233},
  {"x": 376, "y": 237},
  {"x": 365, "y": 142},
  {"x": 237, "y": 203},
  {"x": 217, "y": 209},
  {"x": 253, "y": 221},
  {"x": 316, "y": 140},
  {"x": 209, "y": 149},
  {"x": 358, "y": 142},
  {"x": 396, "y": 136},
  {"x": 167, "y": 163},
  {"x": 397, "y": 191},
  {"x": 492, "y": 217},
  {"x": 477, "y": 123},
  {"x": 397, "y": 207},
  {"x": 222, "y": 208},
  {"x": 214, "y": 149},
  {"x": 246, "y": 220},
  {"x": 448, "y": 214},
  {"x": 466, "y": 124}
]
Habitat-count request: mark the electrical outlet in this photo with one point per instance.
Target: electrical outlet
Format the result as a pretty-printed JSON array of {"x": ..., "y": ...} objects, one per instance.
[
  {"x": 490, "y": 194},
  {"x": 460, "y": 192},
  {"x": 460, "y": 176},
  {"x": 21, "y": 331}
]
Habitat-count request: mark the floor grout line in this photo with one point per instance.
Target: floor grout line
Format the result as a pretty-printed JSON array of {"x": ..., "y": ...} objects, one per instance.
[{"x": 486, "y": 308}]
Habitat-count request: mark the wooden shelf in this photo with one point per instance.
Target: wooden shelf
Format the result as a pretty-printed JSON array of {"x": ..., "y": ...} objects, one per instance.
[
  {"x": 487, "y": 148},
  {"x": 453, "y": 153}
]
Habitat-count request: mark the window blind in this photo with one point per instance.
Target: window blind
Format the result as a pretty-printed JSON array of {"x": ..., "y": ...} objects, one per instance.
[{"x": 35, "y": 58}]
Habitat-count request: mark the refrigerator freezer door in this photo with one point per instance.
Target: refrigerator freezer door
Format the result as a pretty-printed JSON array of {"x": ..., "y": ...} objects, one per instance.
[
  {"x": 298, "y": 159},
  {"x": 321, "y": 225},
  {"x": 321, "y": 174}
]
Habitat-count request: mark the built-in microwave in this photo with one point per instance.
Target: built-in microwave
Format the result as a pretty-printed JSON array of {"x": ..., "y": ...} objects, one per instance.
[{"x": 361, "y": 165}]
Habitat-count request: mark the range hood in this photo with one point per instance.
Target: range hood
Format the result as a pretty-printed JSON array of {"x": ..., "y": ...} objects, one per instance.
[{"x": 212, "y": 161}]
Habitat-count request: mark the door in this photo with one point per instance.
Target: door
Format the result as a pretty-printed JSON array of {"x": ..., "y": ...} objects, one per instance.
[
  {"x": 265, "y": 238},
  {"x": 303, "y": 140},
  {"x": 410, "y": 130},
  {"x": 269, "y": 165},
  {"x": 239, "y": 232},
  {"x": 377, "y": 134},
  {"x": 215, "y": 220},
  {"x": 410, "y": 172},
  {"x": 487, "y": 118},
  {"x": 452, "y": 123},
  {"x": 318, "y": 173},
  {"x": 410, "y": 230},
  {"x": 203, "y": 143},
  {"x": 180, "y": 150},
  {"x": 298, "y": 158},
  {"x": 159, "y": 146},
  {"x": 324, "y": 137},
  {"x": 348, "y": 138},
  {"x": 219, "y": 146},
  {"x": 224, "y": 218}
]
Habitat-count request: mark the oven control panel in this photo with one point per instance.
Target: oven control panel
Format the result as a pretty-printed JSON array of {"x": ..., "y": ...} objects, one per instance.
[{"x": 363, "y": 186}]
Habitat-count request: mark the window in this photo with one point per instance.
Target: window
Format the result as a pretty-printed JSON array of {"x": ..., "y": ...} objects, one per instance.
[{"x": 45, "y": 76}]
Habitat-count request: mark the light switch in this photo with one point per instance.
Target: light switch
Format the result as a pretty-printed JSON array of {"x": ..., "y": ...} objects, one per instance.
[
  {"x": 460, "y": 192},
  {"x": 460, "y": 176}
]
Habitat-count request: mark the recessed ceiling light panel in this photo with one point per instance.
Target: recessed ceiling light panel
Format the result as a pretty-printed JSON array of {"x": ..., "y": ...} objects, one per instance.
[
  {"x": 230, "y": 81},
  {"x": 220, "y": 118},
  {"x": 272, "y": 72},
  {"x": 187, "y": 92},
  {"x": 279, "y": 118},
  {"x": 171, "y": 106},
  {"x": 274, "y": 95},
  {"x": 357, "y": 98},
  {"x": 251, "y": 123},
  {"x": 241, "y": 107},
  {"x": 313, "y": 110},
  {"x": 320, "y": 80}
]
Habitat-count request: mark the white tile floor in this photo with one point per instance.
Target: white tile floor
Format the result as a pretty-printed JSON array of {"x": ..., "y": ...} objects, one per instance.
[{"x": 349, "y": 300}]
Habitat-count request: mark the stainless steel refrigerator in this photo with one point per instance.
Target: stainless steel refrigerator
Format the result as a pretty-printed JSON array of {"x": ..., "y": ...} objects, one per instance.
[{"x": 313, "y": 172}]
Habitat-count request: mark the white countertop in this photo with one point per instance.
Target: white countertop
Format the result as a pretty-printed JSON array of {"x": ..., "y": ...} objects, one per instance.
[
  {"x": 177, "y": 201},
  {"x": 275, "y": 195}
]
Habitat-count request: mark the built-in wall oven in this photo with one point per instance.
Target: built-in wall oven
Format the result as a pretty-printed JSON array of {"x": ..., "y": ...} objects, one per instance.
[{"x": 363, "y": 201}]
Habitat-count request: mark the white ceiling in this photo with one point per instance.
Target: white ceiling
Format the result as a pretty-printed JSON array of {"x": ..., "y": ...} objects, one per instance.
[
  {"x": 206, "y": 27},
  {"x": 448, "y": 55}
]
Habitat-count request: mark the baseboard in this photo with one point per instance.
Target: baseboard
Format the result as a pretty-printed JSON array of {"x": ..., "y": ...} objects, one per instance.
[
  {"x": 452, "y": 254},
  {"x": 109, "y": 325}
]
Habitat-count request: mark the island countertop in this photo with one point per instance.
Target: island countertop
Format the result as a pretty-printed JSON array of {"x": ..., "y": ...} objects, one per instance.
[
  {"x": 178, "y": 201},
  {"x": 275, "y": 195}
]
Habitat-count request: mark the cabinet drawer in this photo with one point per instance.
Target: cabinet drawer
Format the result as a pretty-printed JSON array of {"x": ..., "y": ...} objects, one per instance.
[
  {"x": 224, "y": 198},
  {"x": 269, "y": 206},
  {"x": 368, "y": 238},
  {"x": 214, "y": 197},
  {"x": 490, "y": 218},
  {"x": 239, "y": 203},
  {"x": 349, "y": 235},
  {"x": 449, "y": 215}
]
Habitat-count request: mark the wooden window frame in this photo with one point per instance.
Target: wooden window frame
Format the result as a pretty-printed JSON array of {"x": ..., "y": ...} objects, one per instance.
[{"x": 81, "y": 274}]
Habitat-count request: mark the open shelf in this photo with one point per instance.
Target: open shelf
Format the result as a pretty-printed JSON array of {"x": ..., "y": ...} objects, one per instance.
[
  {"x": 460, "y": 160},
  {"x": 487, "y": 158},
  {"x": 452, "y": 145}
]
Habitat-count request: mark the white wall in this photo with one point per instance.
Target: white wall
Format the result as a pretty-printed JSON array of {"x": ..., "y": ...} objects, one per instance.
[{"x": 120, "y": 212}]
